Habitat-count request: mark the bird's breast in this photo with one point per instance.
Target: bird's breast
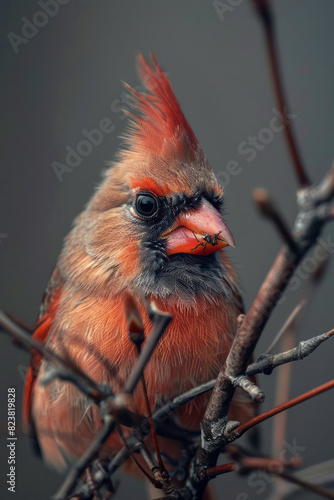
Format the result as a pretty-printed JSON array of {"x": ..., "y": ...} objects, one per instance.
[{"x": 192, "y": 350}]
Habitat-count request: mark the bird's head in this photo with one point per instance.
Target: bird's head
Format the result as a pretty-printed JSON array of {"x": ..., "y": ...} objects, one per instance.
[{"x": 156, "y": 222}]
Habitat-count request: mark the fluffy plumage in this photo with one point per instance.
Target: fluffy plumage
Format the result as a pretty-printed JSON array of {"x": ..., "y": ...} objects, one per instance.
[{"x": 169, "y": 256}]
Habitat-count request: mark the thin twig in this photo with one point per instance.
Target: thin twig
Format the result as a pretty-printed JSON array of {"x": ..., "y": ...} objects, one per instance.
[
  {"x": 220, "y": 469},
  {"x": 239, "y": 431},
  {"x": 137, "y": 337},
  {"x": 306, "y": 485},
  {"x": 287, "y": 325},
  {"x": 271, "y": 466},
  {"x": 269, "y": 210},
  {"x": 303, "y": 349},
  {"x": 264, "y": 364},
  {"x": 73, "y": 372},
  {"x": 283, "y": 385},
  {"x": 160, "y": 322},
  {"x": 140, "y": 447},
  {"x": 321, "y": 473},
  {"x": 264, "y": 10},
  {"x": 246, "y": 463},
  {"x": 81, "y": 465}
]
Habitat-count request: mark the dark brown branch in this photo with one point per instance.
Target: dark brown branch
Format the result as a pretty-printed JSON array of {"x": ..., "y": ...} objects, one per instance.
[
  {"x": 53, "y": 373},
  {"x": 264, "y": 9},
  {"x": 137, "y": 337},
  {"x": 291, "y": 320},
  {"x": 81, "y": 465},
  {"x": 269, "y": 210},
  {"x": 199, "y": 477},
  {"x": 145, "y": 454},
  {"x": 161, "y": 414},
  {"x": 160, "y": 322},
  {"x": 74, "y": 374},
  {"x": 154, "y": 435}
]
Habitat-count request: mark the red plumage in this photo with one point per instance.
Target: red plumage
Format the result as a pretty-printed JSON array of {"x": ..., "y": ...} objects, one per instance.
[
  {"x": 154, "y": 225},
  {"x": 41, "y": 334},
  {"x": 162, "y": 118},
  {"x": 148, "y": 184}
]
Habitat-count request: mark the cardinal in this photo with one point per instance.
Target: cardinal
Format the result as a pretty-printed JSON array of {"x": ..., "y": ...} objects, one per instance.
[{"x": 154, "y": 228}]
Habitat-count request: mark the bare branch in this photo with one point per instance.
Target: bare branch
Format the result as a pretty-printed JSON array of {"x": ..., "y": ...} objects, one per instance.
[
  {"x": 246, "y": 463},
  {"x": 270, "y": 413},
  {"x": 273, "y": 466},
  {"x": 283, "y": 385},
  {"x": 269, "y": 210},
  {"x": 220, "y": 469},
  {"x": 81, "y": 465},
  {"x": 315, "y": 208},
  {"x": 263, "y": 365},
  {"x": 264, "y": 9},
  {"x": 287, "y": 325},
  {"x": 145, "y": 454},
  {"x": 306, "y": 485},
  {"x": 53, "y": 372},
  {"x": 307, "y": 228},
  {"x": 248, "y": 386},
  {"x": 319, "y": 474},
  {"x": 73, "y": 372},
  {"x": 160, "y": 322},
  {"x": 266, "y": 363},
  {"x": 136, "y": 334}
]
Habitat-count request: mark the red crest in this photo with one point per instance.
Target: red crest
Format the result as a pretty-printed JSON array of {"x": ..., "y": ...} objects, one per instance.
[{"x": 162, "y": 117}]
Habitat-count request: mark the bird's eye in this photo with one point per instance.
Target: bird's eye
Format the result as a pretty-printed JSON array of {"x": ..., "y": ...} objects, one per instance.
[{"x": 146, "y": 205}]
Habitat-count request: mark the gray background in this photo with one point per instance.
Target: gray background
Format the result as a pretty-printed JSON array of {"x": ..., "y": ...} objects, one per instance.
[{"x": 66, "y": 78}]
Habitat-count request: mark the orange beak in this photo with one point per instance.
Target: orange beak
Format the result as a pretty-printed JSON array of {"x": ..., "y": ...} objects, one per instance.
[{"x": 200, "y": 232}]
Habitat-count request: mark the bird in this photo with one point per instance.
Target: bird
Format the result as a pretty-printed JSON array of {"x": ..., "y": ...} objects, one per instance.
[{"x": 154, "y": 228}]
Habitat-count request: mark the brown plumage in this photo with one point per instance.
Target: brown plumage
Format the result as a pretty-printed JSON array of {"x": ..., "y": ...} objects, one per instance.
[{"x": 154, "y": 225}]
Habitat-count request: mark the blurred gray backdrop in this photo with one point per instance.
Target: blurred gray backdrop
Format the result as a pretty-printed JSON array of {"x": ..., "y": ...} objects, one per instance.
[{"x": 65, "y": 76}]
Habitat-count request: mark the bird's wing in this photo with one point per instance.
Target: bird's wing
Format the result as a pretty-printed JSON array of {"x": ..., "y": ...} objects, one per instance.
[{"x": 41, "y": 332}]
